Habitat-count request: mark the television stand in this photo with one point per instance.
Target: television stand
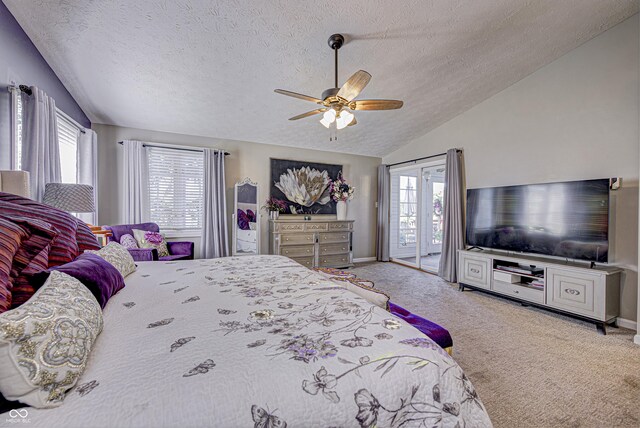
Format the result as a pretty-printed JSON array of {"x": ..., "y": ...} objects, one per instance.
[{"x": 587, "y": 293}]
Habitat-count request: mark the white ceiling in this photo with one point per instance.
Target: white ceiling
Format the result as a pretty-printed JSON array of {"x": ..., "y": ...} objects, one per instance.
[{"x": 209, "y": 67}]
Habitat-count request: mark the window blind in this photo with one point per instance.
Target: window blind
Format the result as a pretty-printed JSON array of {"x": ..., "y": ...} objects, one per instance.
[
  {"x": 68, "y": 146},
  {"x": 176, "y": 188}
]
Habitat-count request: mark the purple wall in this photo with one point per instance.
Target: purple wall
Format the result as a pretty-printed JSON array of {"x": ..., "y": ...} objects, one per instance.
[{"x": 21, "y": 62}]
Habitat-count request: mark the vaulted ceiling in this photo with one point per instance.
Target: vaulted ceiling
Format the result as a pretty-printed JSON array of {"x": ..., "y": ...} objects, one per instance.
[{"x": 209, "y": 68}]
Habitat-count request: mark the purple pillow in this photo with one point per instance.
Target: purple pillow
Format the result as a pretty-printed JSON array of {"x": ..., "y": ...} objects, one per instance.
[
  {"x": 98, "y": 275},
  {"x": 243, "y": 220}
]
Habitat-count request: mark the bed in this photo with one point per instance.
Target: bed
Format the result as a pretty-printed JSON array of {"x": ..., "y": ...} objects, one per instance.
[{"x": 262, "y": 341}]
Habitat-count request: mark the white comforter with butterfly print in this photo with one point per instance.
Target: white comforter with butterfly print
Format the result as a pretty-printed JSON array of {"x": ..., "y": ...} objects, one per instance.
[{"x": 259, "y": 341}]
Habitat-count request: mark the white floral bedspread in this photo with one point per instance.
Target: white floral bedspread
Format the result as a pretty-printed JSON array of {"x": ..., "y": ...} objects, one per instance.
[{"x": 259, "y": 341}]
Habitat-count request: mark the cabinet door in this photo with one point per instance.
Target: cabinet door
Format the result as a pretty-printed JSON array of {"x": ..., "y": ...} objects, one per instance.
[
  {"x": 576, "y": 291},
  {"x": 474, "y": 270}
]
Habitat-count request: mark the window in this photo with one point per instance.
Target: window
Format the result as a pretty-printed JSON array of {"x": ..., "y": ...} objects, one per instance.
[
  {"x": 68, "y": 146},
  {"x": 176, "y": 186},
  {"x": 67, "y": 141}
]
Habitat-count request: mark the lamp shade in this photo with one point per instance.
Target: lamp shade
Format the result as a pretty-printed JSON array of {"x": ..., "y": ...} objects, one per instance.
[{"x": 73, "y": 198}]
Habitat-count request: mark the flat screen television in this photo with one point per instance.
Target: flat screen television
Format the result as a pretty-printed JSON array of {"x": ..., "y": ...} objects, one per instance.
[{"x": 569, "y": 219}]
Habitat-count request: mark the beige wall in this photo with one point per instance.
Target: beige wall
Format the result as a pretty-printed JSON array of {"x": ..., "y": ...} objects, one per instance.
[
  {"x": 576, "y": 118},
  {"x": 246, "y": 160}
]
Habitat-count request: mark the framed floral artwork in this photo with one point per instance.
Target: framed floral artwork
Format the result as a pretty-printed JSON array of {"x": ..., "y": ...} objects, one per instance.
[{"x": 304, "y": 186}]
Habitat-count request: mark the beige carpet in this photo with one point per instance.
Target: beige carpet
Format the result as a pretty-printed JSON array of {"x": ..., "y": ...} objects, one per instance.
[{"x": 531, "y": 367}]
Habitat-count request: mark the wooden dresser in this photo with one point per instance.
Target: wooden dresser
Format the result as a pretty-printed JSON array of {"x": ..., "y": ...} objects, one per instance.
[{"x": 313, "y": 243}]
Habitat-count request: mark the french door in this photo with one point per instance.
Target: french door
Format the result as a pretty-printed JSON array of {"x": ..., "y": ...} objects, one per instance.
[{"x": 416, "y": 215}]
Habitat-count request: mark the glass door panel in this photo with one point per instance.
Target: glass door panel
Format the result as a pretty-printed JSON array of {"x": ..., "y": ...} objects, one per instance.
[
  {"x": 404, "y": 216},
  {"x": 432, "y": 191}
]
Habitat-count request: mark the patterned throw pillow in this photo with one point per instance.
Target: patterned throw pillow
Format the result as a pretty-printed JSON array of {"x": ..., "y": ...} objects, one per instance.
[
  {"x": 11, "y": 235},
  {"x": 155, "y": 240},
  {"x": 128, "y": 242},
  {"x": 64, "y": 247},
  {"x": 32, "y": 256},
  {"x": 45, "y": 343},
  {"x": 118, "y": 256}
]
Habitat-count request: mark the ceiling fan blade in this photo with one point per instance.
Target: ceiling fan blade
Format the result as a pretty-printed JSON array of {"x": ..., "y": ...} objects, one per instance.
[
  {"x": 297, "y": 95},
  {"x": 354, "y": 85},
  {"x": 309, "y": 113},
  {"x": 375, "y": 105}
]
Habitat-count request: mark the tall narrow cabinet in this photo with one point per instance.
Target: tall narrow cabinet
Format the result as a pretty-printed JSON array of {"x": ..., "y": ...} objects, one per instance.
[{"x": 313, "y": 243}]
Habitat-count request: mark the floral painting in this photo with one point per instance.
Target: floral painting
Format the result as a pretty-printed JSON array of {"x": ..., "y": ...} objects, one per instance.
[{"x": 305, "y": 187}]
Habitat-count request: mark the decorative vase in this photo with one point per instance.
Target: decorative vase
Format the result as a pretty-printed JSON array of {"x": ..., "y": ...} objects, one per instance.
[
  {"x": 341, "y": 210},
  {"x": 273, "y": 215}
]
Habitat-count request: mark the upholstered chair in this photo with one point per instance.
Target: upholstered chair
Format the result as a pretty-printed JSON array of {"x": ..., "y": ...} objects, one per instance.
[{"x": 177, "y": 250}]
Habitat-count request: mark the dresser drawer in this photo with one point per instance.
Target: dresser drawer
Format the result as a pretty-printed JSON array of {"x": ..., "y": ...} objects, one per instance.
[
  {"x": 519, "y": 292},
  {"x": 474, "y": 270},
  {"x": 576, "y": 292},
  {"x": 340, "y": 226},
  {"x": 328, "y": 249},
  {"x": 289, "y": 227},
  {"x": 335, "y": 261},
  {"x": 304, "y": 261},
  {"x": 334, "y": 237},
  {"x": 297, "y": 238},
  {"x": 316, "y": 227},
  {"x": 297, "y": 251}
]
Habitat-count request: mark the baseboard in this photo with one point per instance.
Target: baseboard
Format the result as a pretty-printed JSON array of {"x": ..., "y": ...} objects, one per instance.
[
  {"x": 637, "y": 339},
  {"x": 625, "y": 323},
  {"x": 364, "y": 259}
]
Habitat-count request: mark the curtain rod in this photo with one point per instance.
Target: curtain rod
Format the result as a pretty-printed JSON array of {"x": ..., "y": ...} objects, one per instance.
[
  {"x": 27, "y": 90},
  {"x": 23, "y": 88},
  {"x": 422, "y": 158},
  {"x": 173, "y": 148}
]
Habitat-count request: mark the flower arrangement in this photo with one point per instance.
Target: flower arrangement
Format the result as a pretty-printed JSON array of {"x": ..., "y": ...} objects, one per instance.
[
  {"x": 341, "y": 190},
  {"x": 275, "y": 204}
]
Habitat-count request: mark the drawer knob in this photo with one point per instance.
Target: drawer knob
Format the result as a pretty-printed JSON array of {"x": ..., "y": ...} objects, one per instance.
[
  {"x": 572, "y": 291},
  {"x": 474, "y": 270}
]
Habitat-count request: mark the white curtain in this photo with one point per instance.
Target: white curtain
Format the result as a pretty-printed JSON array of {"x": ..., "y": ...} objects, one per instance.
[
  {"x": 136, "y": 183},
  {"x": 215, "y": 240},
  {"x": 87, "y": 173},
  {"x": 452, "y": 216},
  {"x": 40, "y": 153}
]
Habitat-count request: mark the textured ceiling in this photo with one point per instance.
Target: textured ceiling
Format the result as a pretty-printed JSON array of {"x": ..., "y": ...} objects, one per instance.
[{"x": 209, "y": 67}]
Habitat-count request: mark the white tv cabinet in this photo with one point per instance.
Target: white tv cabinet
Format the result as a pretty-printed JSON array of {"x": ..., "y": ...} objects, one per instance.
[{"x": 575, "y": 289}]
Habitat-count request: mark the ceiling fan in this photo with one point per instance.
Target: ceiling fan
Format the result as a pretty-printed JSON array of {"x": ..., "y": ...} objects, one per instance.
[{"x": 337, "y": 102}]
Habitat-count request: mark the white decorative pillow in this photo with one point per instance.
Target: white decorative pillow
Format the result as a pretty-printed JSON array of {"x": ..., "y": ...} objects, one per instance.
[
  {"x": 118, "y": 256},
  {"x": 45, "y": 342},
  {"x": 155, "y": 240},
  {"x": 129, "y": 242}
]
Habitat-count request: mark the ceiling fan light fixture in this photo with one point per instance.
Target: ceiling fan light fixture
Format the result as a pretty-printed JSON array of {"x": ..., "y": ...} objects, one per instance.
[
  {"x": 344, "y": 119},
  {"x": 325, "y": 122},
  {"x": 329, "y": 115}
]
